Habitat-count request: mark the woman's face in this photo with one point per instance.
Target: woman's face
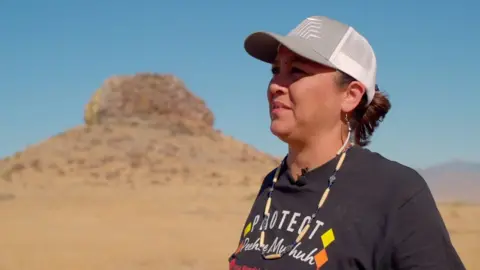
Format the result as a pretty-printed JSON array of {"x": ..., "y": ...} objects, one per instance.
[{"x": 304, "y": 97}]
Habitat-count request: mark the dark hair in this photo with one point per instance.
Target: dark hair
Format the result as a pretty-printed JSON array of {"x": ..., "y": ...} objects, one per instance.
[{"x": 365, "y": 119}]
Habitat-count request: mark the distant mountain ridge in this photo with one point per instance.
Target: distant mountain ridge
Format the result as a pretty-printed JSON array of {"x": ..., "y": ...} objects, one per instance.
[
  {"x": 455, "y": 166},
  {"x": 455, "y": 180}
]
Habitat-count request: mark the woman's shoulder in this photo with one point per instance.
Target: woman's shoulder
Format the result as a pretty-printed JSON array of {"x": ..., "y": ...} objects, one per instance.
[
  {"x": 378, "y": 163},
  {"x": 385, "y": 175}
]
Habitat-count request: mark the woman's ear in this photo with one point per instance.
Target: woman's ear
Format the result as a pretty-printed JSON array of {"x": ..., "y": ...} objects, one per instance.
[{"x": 353, "y": 96}]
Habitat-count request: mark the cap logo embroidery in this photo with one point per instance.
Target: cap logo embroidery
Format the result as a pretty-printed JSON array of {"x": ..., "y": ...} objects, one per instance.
[{"x": 309, "y": 28}]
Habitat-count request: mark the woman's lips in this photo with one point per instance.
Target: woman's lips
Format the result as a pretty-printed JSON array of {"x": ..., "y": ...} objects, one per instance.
[{"x": 279, "y": 107}]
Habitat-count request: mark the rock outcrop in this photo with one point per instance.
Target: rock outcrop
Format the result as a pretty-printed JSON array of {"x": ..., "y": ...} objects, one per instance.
[{"x": 148, "y": 99}]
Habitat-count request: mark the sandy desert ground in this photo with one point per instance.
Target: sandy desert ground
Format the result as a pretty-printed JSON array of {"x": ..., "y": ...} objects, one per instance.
[{"x": 155, "y": 227}]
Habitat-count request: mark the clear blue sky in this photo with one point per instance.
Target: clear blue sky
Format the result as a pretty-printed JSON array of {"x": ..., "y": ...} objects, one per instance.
[{"x": 54, "y": 54}]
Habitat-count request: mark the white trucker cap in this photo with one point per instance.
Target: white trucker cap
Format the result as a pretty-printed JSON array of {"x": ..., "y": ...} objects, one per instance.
[{"x": 324, "y": 41}]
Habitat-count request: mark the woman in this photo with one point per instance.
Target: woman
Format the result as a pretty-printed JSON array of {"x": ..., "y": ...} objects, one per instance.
[{"x": 332, "y": 204}]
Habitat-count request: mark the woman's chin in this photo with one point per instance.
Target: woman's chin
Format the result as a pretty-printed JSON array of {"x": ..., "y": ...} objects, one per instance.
[{"x": 280, "y": 129}]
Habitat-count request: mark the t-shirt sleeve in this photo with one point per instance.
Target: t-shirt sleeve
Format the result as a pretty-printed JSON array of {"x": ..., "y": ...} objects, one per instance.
[{"x": 420, "y": 238}]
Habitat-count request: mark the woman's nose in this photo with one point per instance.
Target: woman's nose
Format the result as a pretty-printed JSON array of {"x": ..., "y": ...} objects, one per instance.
[
  {"x": 275, "y": 89},
  {"x": 279, "y": 85}
]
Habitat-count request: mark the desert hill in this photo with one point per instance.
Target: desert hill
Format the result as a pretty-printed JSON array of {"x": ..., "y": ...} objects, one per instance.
[{"x": 140, "y": 130}]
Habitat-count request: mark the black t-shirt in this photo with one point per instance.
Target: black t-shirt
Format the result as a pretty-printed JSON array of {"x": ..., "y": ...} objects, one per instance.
[{"x": 379, "y": 215}]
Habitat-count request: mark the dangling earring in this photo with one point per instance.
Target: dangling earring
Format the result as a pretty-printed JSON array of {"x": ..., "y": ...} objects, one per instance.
[{"x": 347, "y": 141}]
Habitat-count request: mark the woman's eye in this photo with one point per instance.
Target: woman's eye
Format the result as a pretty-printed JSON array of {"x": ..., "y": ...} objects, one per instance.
[
  {"x": 293, "y": 70},
  {"x": 298, "y": 71},
  {"x": 275, "y": 70}
]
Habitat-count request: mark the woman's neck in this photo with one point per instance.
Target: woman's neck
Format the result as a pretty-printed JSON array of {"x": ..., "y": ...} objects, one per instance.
[{"x": 311, "y": 154}]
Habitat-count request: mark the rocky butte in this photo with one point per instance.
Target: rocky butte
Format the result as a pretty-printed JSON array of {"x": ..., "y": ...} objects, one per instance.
[{"x": 142, "y": 129}]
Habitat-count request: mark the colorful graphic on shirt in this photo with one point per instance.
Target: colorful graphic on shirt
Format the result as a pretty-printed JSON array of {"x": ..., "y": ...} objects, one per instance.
[
  {"x": 288, "y": 224},
  {"x": 327, "y": 238},
  {"x": 247, "y": 229},
  {"x": 235, "y": 266}
]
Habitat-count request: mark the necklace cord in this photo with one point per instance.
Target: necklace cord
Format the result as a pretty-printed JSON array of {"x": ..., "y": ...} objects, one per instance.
[{"x": 342, "y": 153}]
